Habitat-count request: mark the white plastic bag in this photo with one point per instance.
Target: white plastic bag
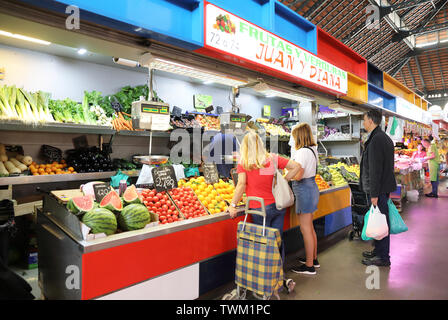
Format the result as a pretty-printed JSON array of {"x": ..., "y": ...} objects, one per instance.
[
  {"x": 412, "y": 195},
  {"x": 377, "y": 227}
]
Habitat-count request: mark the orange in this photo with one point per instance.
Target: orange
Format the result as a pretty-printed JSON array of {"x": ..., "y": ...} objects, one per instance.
[
  {"x": 63, "y": 161},
  {"x": 71, "y": 169},
  {"x": 51, "y": 173},
  {"x": 48, "y": 170},
  {"x": 41, "y": 170},
  {"x": 35, "y": 174},
  {"x": 42, "y": 166},
  {"x": 74, "y": 172}
]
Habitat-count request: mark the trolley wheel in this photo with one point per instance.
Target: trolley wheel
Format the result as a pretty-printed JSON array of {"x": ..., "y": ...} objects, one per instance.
[
  {"x": 231, "y": 296},
  {"x": 289, "y": 285}
]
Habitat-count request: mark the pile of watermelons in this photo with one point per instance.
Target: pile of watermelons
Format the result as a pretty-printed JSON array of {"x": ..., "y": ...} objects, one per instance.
[{"x": 113, "y": 213}]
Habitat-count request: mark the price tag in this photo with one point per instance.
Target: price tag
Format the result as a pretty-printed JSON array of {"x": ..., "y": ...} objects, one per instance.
[
  {"x": 100, "y": 190},
  {"x": 177, "y": 112},
  {"x": 210, "y": 173},
  {"x": 164, "y": 178}
]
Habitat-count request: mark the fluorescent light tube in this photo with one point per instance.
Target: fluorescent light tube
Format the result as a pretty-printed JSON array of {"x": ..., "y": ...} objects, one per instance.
[{"x": 22, "y": 37}]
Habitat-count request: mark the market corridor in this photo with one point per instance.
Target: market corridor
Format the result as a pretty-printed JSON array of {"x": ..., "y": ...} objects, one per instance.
[
  {"x": 418, "y": 258},
  {"x": 418, "y": 269}
]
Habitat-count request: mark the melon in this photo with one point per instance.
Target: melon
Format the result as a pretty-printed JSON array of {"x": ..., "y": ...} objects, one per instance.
[
  {"x": 100, "y": 221},
  {"x": 134, "y": 217},
  {"x": 131, "y": 195},
  {"x": 78, "y": 205},
  {"x": 112, "y": 202}
]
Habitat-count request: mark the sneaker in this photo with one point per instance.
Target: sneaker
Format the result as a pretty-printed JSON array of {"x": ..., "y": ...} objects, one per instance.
[
  {"x": 315, "y": 262},
  {"x": 303, "y": 269},
  {"x": 431, "y": 195},
  {"x": 376, "y": 261},
  {"x": 369, "y": 254}
]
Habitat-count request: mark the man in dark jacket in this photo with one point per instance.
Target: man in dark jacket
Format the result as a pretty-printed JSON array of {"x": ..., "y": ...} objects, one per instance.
[{"x": 377, "y": 180}]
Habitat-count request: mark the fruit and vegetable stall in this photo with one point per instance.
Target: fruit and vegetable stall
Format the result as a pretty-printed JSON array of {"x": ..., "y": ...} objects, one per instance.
[{"x": 123, "y": 240}]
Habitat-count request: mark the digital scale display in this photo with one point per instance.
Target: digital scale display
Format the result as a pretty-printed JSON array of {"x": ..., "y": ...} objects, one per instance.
[
  {"x": 238, "y": 119},
  {"x": 147, "y": 108}
]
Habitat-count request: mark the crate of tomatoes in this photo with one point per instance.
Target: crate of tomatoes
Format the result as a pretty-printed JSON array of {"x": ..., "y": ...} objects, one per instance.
[
  {"x": 187, "y": 202},
  {"x": 160, "y": 204}
]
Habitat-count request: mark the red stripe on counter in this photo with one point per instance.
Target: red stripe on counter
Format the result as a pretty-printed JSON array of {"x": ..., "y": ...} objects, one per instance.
[{"x": 115, "y": 268}]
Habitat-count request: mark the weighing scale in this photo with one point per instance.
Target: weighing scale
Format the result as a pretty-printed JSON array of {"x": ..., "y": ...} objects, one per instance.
[
  {"x": 234, "y": 121},
  {"x": 150, "y": 115}
]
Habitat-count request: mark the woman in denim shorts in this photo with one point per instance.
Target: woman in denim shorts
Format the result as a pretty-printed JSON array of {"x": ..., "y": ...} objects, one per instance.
[{"x": 304, "y": 152}]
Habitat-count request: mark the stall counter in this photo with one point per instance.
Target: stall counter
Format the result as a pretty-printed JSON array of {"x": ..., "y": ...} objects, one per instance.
[{"x": 181, "y": 261}]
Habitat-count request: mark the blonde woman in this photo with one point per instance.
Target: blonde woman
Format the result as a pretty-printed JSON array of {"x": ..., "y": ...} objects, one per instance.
[
  {"x": 304, "y": 152},
  {"x": 255, "y": 177}
]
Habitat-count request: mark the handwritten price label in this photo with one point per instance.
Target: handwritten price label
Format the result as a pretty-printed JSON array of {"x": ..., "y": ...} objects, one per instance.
[{"x": 164, "y": 178}]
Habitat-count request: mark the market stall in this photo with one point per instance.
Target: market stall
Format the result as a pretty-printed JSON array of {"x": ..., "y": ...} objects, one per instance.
[{"x": 79, "y": 138}]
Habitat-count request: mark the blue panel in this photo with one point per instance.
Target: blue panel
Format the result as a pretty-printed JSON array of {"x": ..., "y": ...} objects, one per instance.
[
  {"x": 217, "y": 271},
  {"x": 178, "y": 22},
  {"x": 382, "y": 99},
  {"x": 294, "y": 28},
  {"x": 375, "y": 75},
  {"x": 338, "y": 220},
  {"x": 257, "y": 12}
]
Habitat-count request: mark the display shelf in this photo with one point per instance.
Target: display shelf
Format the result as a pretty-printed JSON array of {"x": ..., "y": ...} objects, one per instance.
[
  {"x": 340, "y": 140},
  {"x": 21, "y": 180},
  {"x": 55, "y": 127},
  {"x": 155, "y": 134}
]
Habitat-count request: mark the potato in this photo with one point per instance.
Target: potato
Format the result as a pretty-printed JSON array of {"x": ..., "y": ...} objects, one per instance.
[{"x": 3, "y": 158}]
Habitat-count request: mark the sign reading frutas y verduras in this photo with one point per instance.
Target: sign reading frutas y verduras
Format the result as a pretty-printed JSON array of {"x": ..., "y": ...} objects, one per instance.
[{"x": 231, "y": 34}]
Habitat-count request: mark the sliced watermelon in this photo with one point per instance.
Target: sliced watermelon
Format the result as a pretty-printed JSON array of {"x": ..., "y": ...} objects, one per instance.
[
  {"x": 131, "y": 195},
  {"x": 112, "y": 202},
  {"x": 80, "y": 204}
]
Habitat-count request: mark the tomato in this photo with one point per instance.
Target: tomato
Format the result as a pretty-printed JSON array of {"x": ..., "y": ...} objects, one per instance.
[
  {"x": 159, "y": 195},
  {"x": 164, "y": 207},
  {"x": 157, "y": 204},
  {"x": 170, "y": 220},
  {"x": 162, "y": 218},
  {"x": 180, "y": 203},
  {"x": 164, "y": 222}
]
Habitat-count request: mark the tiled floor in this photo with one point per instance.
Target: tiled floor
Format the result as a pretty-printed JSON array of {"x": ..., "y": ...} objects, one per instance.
[
  {"x": 31, "y": 276},
  {"x": 418, "y": 260}
]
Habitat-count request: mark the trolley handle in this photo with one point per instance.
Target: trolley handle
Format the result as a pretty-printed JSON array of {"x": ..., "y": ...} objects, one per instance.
[{"x": 260, "y": 213}]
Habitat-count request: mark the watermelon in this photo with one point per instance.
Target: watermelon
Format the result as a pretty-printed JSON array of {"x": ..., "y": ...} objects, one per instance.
[
  {"x": 134, "y": 217},
  {"x": 100, "y": 221},
  {"x": 131, "y": 195},
  {"x": 80, "y": 204},
  {"x": 112, "y": 202}
]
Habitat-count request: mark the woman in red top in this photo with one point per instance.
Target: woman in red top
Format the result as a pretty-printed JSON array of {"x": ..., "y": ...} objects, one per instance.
[
  {"x": 420, "y": 153},
  {"x": 255, "y": 177}
]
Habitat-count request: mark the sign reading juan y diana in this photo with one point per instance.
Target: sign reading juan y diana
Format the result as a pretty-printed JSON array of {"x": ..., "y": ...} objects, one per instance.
[{"x": 230, "y": 34}]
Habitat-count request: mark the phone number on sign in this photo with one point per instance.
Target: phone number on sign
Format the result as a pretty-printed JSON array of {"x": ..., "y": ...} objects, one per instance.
[{"x": 219, "y": 40}]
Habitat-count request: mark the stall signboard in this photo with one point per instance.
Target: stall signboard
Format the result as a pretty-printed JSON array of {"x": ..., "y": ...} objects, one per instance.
[
  {"x": 409, "y": 110},
  {"x": 232, "y": 36}
]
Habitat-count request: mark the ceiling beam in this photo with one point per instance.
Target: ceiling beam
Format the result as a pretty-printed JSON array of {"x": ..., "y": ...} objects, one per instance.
[
  {"x": 422, "y": 28},
  {"x": 412, "y": 75},
  {"x": 397, "y": 67},
  {"x": 430, "y": 70},
  {"x": 420, "y": 73},
  {"x": 441, "y": 70}
]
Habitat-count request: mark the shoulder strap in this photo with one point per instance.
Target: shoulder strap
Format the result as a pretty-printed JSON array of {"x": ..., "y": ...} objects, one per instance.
[{"x": 314, "y": 155}]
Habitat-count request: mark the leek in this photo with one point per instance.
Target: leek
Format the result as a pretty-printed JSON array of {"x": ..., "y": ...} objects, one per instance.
[{"x": 8, "y": 112}]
